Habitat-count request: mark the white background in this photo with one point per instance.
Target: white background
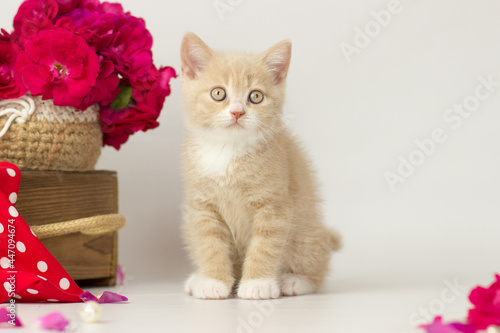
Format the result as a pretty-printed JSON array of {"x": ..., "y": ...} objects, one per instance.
[{"x": 356, "y": 118}]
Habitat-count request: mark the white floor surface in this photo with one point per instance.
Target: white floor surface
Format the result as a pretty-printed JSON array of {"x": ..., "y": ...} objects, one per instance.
[{"x": 345, "y": 306}]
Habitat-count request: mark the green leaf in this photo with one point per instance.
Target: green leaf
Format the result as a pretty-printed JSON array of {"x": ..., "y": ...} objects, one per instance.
[{"x": 123, "y": 99}]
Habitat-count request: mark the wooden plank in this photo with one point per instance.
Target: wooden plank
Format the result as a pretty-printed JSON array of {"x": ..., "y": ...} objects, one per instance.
[
  {"x": 55, "y": 196},
  {"x": 85, "y": 256}
]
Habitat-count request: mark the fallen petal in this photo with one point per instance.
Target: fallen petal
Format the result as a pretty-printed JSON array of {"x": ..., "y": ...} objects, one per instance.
[
  {"x": 110, "y": 297},
  {"x": 9, "y": 318},
  {"x": 87, "y": 296},
  {"x": 52, "y": 321},
  {"x": 106, "y": 297},
  {"x": 439, "y": 327}
]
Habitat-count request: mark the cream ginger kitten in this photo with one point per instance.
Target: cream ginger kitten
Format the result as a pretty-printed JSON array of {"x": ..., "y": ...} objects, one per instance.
[{"x": 252, "y": 219}]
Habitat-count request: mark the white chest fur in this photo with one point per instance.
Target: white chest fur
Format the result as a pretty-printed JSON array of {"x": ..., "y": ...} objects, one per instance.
[{"x": 215, "y": 150}]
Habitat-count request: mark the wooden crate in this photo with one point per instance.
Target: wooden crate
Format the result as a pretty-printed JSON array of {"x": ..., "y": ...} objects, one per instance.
[{"x": 55, "y": 196}]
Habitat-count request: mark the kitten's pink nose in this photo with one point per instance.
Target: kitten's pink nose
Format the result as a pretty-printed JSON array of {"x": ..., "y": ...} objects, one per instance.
[
  {"x": 237, "y": 114},
  {"x": 237, "y": 110}
]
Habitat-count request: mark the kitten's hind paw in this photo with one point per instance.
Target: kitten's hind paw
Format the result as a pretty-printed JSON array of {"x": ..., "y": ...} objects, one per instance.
[
  {"x": 206, "y": 288},
  {"x": 293, "y": 285},
  {"x": 259, "y": 289}
]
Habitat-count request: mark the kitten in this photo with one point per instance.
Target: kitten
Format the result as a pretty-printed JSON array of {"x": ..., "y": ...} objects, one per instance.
[{"x": 251, "y": 211}]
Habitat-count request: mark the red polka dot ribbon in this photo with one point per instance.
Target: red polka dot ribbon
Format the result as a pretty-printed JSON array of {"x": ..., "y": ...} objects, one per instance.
[{"x": 28, "y": 272}]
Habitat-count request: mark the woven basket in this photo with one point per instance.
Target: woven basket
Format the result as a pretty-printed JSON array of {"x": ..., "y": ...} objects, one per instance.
[{"x": 35, "y": 134}]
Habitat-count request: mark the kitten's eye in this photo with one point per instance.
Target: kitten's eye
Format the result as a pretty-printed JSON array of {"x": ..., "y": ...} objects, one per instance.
[
  {"x": 218, "y": 94},
  {"x": 256, "y": 97}
]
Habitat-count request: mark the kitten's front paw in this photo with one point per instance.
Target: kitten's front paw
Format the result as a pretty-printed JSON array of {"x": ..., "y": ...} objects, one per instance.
[
  {"x": 293, "y": 285},
  {"x": 206, "y": 288},
  {"x": 259, "y": 289}
]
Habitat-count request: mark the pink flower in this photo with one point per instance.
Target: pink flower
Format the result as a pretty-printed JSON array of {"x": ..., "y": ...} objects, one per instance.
[
  {"x": 11, "y": 85},
  {"x": 155, "y": 89},
  {"x": 123, "y": 39},
  {"x": 33, "y": 16},
  {"x": 105, "y": 89},
  {"x": 118, "y": 125},
  {"x": 77, "y": 10},
  {"x": 486, "y": 301},
  {"x": 140, "y": 111},
  {"x": 130, "y": 49},
  {"x": 439, "y": 327},
  {"x": 112, "y": 7},
  {"x": 60, "y": 65},
  {"x": 84, "y": 52},
  {"x": 66, "y": 6}
]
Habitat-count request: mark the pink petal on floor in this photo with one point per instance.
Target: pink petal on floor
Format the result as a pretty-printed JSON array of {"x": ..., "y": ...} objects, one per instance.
[
  {"x": 87, "y": 296},
  {"x": 52, "y": 321},
  {"x": 439, "y": 327},
  {"x": 9, "y": 318},
  {"x": 109, "y": 297},
  {"x": 106, "y": 297}
]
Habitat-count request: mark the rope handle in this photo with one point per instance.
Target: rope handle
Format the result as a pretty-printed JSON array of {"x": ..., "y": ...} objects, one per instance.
[
  {"x": 88, "y": 226},
  {"x": 25, "y": 103}
]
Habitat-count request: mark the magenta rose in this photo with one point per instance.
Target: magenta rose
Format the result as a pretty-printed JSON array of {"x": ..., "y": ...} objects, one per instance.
[
  {"x": 130, "y": 49},
  {"x": 82, "y": 52},
  {"x": 60, "y": 65},
  {"x": 143, "y": 108},
  {"x": 118, "y": 125},
  {"x": 111, "y": 7},
  {"x": 486, "y": 301},
  {"x": 32, "y": 17},
  {"x": 66, "y": 6},
  {"x": 123, "y": 39},
  {"x": 155, "y": 89},
  {"x": 77, "y": 10},
  {"x": 11, "y": 85},
  {"x": 105, "y": 89}
]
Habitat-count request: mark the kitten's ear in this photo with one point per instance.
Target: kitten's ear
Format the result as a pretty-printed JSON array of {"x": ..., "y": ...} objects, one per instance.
[
  {"x": 277, "y": 60},
  {"x": 195, "y": 55}
]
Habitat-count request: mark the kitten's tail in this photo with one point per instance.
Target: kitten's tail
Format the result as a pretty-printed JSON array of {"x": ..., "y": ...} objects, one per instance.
[{"x": 335, "y": 240}]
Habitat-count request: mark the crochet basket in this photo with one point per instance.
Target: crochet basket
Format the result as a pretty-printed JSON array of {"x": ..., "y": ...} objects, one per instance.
[{"x": 35, "y": 134}]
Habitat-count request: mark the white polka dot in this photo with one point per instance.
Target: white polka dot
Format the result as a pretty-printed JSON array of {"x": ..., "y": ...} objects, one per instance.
[
  {"x": 17, "y": 296},
  {"x": 13, "y": 211},
  {"x": 21, "y": 247},
  {"x": 32, "y": 291},
  {"x": 33, "y": 232},
  {"x": 42, "y": 266},
  {"x": 41, "y": 277},
  {"x": 64, "y": 283},
  {"x": 1, "y": 228},
  {"x": 13, "y": 197},
  {"x": 5, "y": 263},
  {"x": 52, "y": 300},
  {"x": 11, "y": 172},
  {"x": 6, "y": 285}
]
